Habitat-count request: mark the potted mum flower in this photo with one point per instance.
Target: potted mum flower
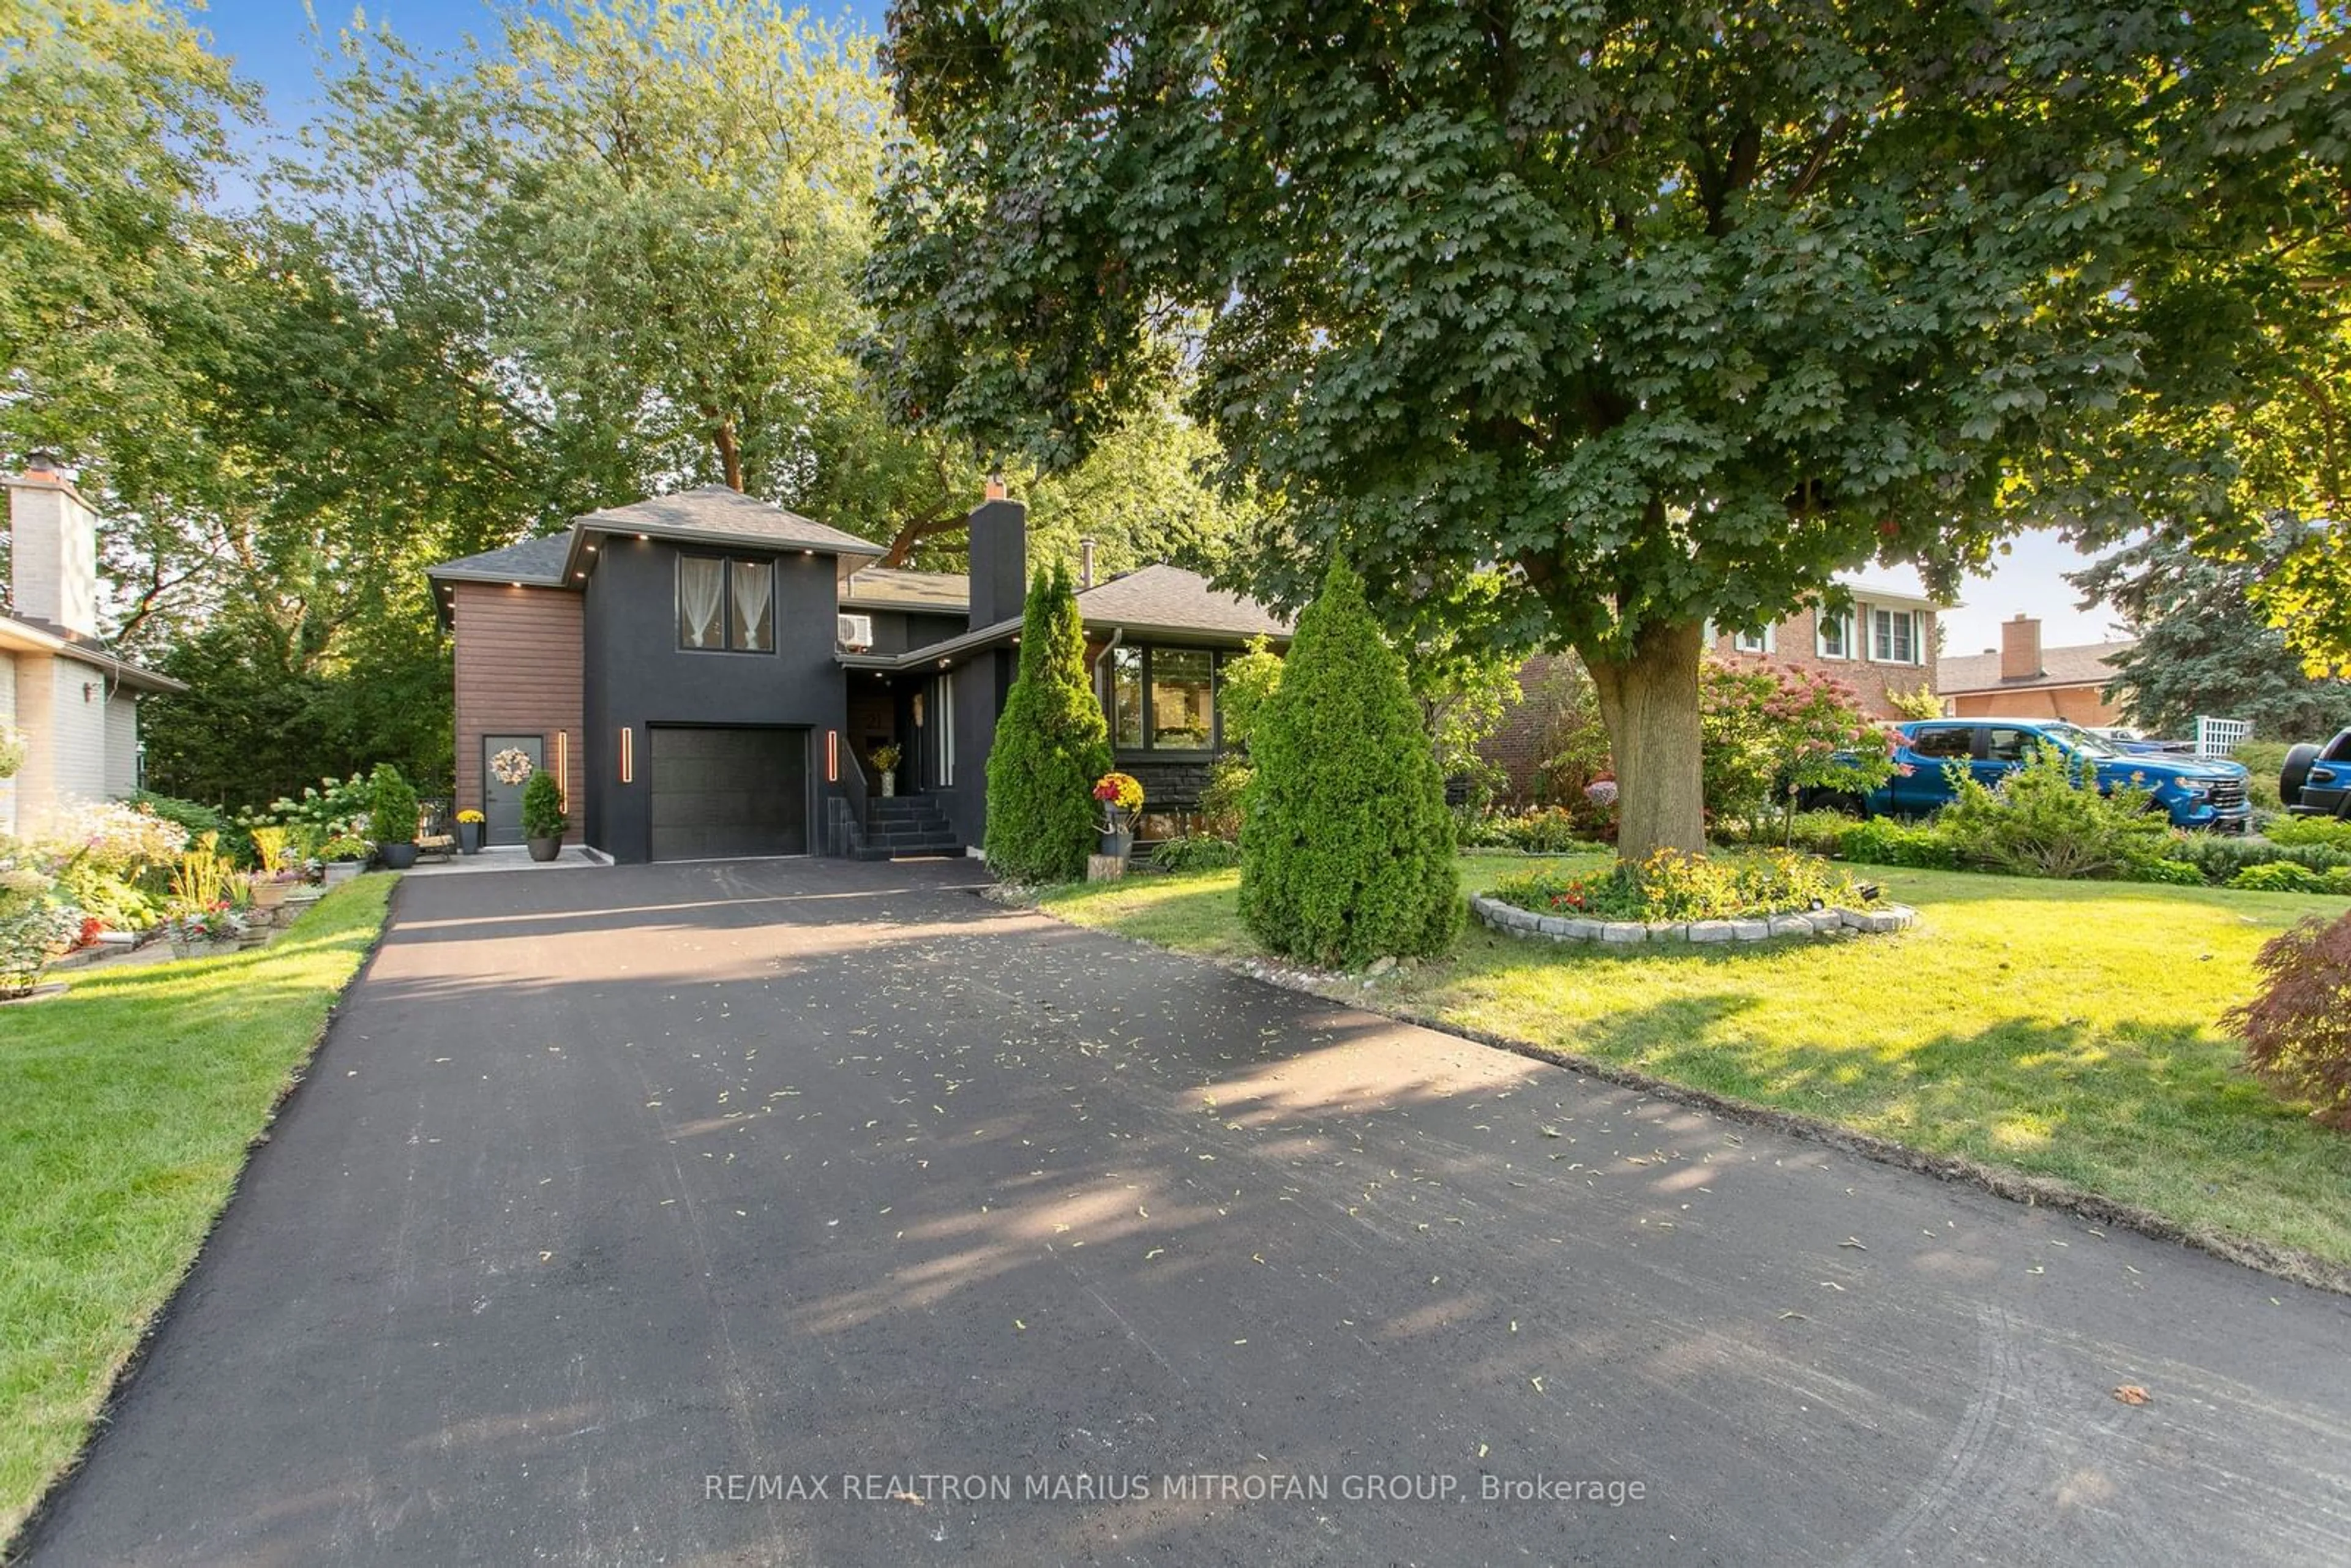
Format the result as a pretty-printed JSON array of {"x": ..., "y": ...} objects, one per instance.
[
  {"x": 1122, "y": 798},
  {"x": 469, "y": 832},
  {"x": 886, "y": 759}
]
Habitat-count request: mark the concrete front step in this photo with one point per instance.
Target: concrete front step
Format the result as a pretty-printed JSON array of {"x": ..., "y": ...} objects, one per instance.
[{"x": 906, "y": 851}]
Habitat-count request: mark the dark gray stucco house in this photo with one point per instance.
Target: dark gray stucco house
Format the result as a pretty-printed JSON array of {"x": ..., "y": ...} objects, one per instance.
[{"x": 710, "y": 675}]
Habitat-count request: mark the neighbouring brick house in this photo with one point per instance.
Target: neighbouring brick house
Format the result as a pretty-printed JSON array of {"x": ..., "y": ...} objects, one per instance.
[
  {"x": 710, "y": 675},
  {"x": 1884, "y": 643},
  {"x": 2021, "y": 679}
]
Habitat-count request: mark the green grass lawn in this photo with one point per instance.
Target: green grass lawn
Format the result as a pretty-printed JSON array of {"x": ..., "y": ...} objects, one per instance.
[
  {"x": 126, "y": 1110},
  {"x": 2066, "y": 1030}
]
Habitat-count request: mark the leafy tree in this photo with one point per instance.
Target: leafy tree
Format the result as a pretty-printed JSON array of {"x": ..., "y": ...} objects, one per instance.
[
  {"x": 1673, "y": 311},
  {"x": 2203, "y": 648},
  {"x": 1346, "y": 845},
  {"x": 117, "y": 120},
  {"x": 1051, "y": 744}
]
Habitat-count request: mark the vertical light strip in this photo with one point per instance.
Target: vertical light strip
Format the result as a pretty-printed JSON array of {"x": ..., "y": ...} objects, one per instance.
[
  {"x": 833, "y": 757},
  {"x": 563, "y": 765},
  {"x": 628, "y": 755}
]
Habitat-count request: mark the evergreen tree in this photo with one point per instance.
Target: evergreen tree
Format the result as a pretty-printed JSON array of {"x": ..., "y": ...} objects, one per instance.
[
  {"x": 1050, "y": 746},
  {"x": 2203, "y": 648},
  {"x": 1346, "y": 846}
]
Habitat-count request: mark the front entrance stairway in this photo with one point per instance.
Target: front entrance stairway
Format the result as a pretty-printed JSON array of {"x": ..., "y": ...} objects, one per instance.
[{"x": 898, "y": 826}]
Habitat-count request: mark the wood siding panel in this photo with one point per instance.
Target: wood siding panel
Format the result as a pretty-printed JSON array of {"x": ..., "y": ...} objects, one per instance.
[{"x": 518, "y": 673}]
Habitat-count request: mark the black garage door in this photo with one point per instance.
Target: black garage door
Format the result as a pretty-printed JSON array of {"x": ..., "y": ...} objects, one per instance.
[{"x": 729, "y": 793}]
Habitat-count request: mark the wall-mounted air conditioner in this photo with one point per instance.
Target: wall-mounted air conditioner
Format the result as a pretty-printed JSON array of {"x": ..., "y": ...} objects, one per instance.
[{"x": 853, "y": 631}]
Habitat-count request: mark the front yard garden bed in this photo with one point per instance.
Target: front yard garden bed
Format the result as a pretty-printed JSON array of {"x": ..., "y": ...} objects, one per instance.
[
  {"x": 2059, "y": 1037},
  {"x": 1676, "y": 897},
  {"x": 127, "y": 1108}
]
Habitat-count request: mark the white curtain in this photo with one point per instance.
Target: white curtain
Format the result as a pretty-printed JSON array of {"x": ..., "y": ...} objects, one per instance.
[
  {"x": 751, "y": 602},
  {"x": 699, "y": 596}
]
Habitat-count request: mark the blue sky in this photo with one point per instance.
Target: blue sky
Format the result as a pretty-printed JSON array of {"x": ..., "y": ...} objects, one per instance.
[{"x": 271, "y": 42}]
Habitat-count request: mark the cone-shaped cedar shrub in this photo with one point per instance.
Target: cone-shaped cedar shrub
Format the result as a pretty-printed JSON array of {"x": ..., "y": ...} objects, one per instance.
[
  {"x": 1050, "y": 746},
  {"x": 391, "y": 806},
  {"x": 1347, "y": 847}
]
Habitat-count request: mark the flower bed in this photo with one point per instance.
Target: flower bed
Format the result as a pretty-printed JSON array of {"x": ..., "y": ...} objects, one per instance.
[{"x": 1697, "y": 898}]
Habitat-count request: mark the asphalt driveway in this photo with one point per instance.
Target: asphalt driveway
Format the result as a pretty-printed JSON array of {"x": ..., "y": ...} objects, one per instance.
[{"x": 798, "y": 1212}]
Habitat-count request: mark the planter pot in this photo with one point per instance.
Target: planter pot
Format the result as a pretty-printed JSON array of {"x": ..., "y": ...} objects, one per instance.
[
  {"x": 889, "y": 783},
  {"x": 1119, "y": 844},
  {"x": 469, "y": 838},
  {"x": 546, "y": 848},
  {"x": 270, "y": 895},
  {"x": 340, "y": 871},
  {"x": 201, "y": 950},
  {"x": 398, "y": 857}
]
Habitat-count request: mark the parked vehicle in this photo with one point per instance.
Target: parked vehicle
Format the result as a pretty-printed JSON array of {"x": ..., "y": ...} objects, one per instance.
[
  {"x": 2194, "y": 792},
  {"x": 2315, "y": 780},
  {"x": 2139, "y": 744}
]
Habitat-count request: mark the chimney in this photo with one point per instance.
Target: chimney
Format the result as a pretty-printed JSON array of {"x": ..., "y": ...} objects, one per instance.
[
  {"x": 52, "y": 548},
  {"x": 1085, "y": 564},
  {"x": 2019, "y": 649},
  {"x": 1000, "y": 559}
]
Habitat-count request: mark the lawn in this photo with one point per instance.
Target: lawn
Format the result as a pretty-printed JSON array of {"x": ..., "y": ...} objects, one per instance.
[
  {"x": 127, "y": 1107},
  {"x": 2063, "y": 1029}
]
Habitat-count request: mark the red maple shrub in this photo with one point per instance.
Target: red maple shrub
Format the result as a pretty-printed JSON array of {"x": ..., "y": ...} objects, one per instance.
[{"x": 2297, "y": 1029}]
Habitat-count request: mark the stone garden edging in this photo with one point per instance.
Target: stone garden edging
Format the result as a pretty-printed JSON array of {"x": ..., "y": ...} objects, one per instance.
[{"x": 1512, "y": 920}]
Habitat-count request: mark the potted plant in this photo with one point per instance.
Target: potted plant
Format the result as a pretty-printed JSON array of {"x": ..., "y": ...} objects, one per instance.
[
  {"x": 469, "y": 832},
  {"x": 886, "y": 757},
  {"x": 392, "y": 807},
  {"x": 344, "y": 854},
  {"x": 1120, "y": 795},
  {"x": 199, "y": 933},
  {"x": 543, "y": 821}
]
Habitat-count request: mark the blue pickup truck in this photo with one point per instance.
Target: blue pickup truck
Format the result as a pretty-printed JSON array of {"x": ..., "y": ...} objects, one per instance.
[{"x": 2196, "y": 793}]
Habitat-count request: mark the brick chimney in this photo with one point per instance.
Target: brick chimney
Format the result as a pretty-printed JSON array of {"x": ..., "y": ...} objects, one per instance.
[
  {"x": 52, "y": 548},
  {"x": 2019, "y": 649}
]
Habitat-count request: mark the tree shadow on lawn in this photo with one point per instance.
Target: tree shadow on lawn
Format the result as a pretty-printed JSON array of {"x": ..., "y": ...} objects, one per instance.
[{"x": 2154, "y": 1114}]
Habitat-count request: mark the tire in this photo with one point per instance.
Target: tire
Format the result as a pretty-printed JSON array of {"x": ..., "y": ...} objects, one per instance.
[
  {"x": 2295, "y": 773},
  {"x": 1837, "y": 801}
]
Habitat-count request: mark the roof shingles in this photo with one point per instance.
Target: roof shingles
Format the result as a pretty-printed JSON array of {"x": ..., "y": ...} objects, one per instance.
[{"x": 2087, "y": 665}]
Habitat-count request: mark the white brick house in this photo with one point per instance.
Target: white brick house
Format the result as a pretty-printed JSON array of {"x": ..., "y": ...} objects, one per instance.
[{"x": 61, "y": 687}]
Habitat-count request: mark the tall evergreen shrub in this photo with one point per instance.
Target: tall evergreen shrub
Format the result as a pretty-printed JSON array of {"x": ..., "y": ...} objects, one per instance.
[
  {"x": 1050, "y": 746},
  {"x": 1346, "y": 846}
]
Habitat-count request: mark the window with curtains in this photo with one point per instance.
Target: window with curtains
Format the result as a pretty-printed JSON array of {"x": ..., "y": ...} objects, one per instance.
[{"x": 726, "y": 606}]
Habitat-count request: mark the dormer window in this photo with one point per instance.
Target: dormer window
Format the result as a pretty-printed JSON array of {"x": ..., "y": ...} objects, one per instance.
[{"x": 726, "y": 606}]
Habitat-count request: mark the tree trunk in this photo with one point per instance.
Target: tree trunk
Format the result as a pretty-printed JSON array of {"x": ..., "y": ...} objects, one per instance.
[
  {"x": 730, "y": 453},
  {"x": 1648, "y": 700}
]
